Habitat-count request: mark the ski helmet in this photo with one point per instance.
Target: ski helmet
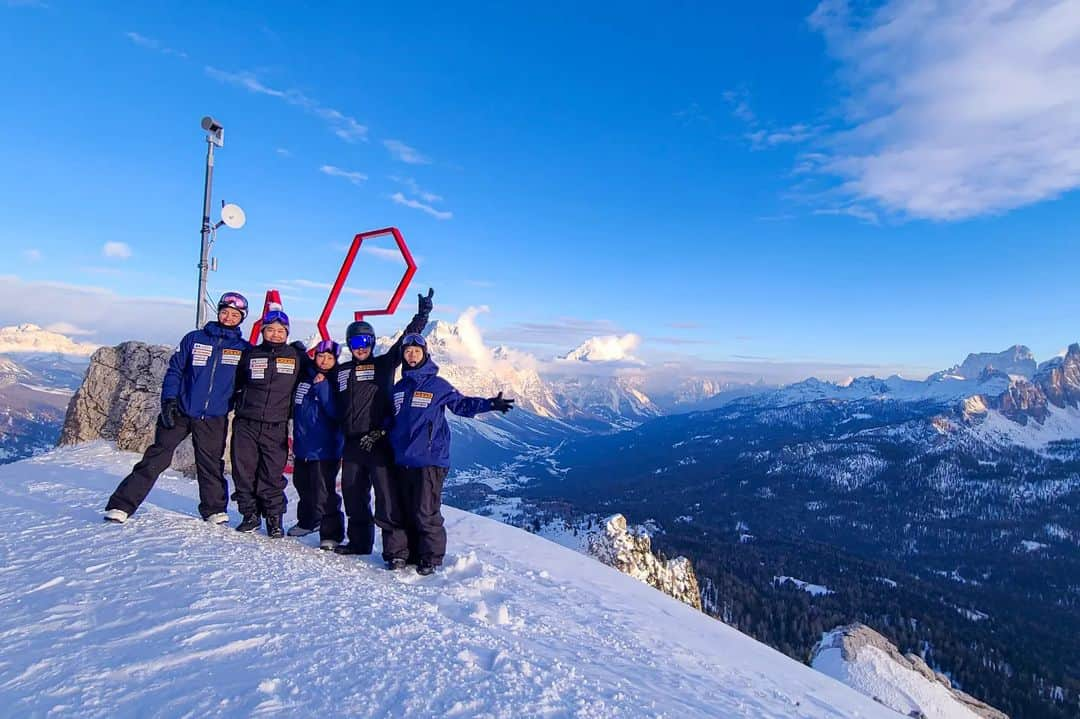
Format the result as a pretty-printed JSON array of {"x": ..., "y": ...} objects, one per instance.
[
  {"x": 358, "y": 328},
  {"x": 414, "y": 340},
  {"x": 329, "y": 346},
  {"x": 235, "y": 300},
  {"x": 275, "y": 316}
]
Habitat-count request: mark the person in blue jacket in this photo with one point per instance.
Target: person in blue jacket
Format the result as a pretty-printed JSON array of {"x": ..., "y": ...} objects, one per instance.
[
  {"x": 420, "y": 437},
  {"x": 196, "y": 397},
  {"x": 317, "y": 448}
]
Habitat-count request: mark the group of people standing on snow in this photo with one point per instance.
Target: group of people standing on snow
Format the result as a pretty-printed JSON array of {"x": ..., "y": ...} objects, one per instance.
[{"x": 351, "y": 416}]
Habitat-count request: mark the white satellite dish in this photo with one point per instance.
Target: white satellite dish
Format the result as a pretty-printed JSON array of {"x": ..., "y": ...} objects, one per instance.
[{"x": 233, "y": 216}]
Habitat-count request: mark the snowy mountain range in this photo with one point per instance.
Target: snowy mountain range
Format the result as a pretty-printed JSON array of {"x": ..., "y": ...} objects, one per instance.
[
  {"x": 29, "y": 339},
  {"x": 39, "y": 371}
]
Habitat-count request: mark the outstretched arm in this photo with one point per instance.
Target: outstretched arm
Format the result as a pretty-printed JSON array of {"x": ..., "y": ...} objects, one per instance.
[{"x": 464, "y": 406}]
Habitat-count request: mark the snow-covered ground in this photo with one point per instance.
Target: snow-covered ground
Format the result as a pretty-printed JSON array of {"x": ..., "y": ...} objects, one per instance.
[
  {"x": 815, "y": 589},
  {"x": 167, "y": 616}
]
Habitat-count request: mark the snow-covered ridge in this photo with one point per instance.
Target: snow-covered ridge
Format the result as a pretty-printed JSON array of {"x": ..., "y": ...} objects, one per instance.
[
  {"x": 867, "y": 661},
  {"x": 166, "y": 614},
  {"x": 31, "y": 339}
]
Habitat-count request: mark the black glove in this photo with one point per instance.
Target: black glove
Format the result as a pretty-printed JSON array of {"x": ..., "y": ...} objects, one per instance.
[
  {"x": 299, "y": 347},
  {"x": 498, "y": 404},
  {"x": 169, "y": 410},
  {"x": 368, "y": 441},
  {"x": 424, "y": 305}
]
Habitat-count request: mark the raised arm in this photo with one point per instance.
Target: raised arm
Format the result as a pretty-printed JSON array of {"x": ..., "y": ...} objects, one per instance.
[{"x": 424, "y": 305}]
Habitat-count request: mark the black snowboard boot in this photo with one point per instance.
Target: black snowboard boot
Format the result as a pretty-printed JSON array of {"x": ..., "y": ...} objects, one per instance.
[
  {"x": 274, "y": 529},
  {"x": 249, "y": 523},
  {"x": 424, "y": 569},
  {"x": 395, "y": 564},
  {"x": 350, "y": 548}
]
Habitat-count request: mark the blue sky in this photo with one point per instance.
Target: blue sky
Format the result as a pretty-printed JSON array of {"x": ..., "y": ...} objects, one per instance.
[{"x": 783, "y": 182}]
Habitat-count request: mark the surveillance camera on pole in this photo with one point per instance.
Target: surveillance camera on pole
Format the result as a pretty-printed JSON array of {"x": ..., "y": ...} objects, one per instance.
[{"x": 231, "y": 216}]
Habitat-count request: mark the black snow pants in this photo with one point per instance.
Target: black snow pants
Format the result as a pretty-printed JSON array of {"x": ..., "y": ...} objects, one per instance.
[
  {"x": 316, "y": 484},
  {"x": 359, "y": 471},
  {"x": 395, "y": 518},
  {"x": 421, "y": 488},
  {"x": 259, "y": 453},
  {"x": 208, "y": 439}
]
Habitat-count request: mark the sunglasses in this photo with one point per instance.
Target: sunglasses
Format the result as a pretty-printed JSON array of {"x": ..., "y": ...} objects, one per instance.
[{"x": 360, "y": 342}]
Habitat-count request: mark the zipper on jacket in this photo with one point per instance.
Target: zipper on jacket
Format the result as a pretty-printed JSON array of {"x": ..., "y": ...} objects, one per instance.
[{"x": 213, "y": 370}]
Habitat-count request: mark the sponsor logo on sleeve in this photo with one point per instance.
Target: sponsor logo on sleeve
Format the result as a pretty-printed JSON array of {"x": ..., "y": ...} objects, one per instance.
[
  {"x": 365, "y": 372},
  {"x": 399, "y": 399},
  {"x": 342, "y": 380},
  {"x": 200, "y": 354},
  {"x": 286, "y": 365},
  {"x": 231, "y": 357},
  {"x": 422, "y": 399},
  {"x": 257, "y": 367}
]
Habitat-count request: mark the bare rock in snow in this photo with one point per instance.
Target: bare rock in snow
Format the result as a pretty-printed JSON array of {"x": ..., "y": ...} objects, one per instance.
[
  {"x": 629, "y": 549},
  {"x": 865, "y": 660},
  {"x": 120, "y": 400}
]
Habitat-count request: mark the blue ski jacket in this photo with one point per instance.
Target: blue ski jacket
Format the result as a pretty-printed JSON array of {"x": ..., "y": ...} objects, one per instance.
[
  {"x": 420, "y": 434},
  {"x": 316, "y": 434},
  {"x": 202, "y": 371}
]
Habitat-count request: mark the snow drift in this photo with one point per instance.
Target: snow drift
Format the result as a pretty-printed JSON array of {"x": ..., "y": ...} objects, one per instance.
[{"x": 168, "y": 616}]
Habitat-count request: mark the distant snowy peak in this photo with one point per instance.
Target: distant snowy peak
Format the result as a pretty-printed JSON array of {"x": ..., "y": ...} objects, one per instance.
[
  {"x": 606, "y": 348},
  {"x": 1016, "y": 360},
  {"x": 942, "y": 389},
  {"x": 31, "y": 339}
]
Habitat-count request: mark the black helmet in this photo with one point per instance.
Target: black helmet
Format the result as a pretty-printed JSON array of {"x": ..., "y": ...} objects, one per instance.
[{"x": 355, "y": 329}]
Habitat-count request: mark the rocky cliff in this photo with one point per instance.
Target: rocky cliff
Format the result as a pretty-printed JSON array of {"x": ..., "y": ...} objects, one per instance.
[
  {"x": 865, "y": 660},
  {"x": 629, "y": 549},
  {"x": 120, "y": 400}
]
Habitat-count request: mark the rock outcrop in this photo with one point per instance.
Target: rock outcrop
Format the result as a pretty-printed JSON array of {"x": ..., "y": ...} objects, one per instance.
[
  {"x": 120, "y": 399},
  {"x": 1055, "y": 383},
  {"x": 629, "y": 549},
  {"x": 857, "y": 642}
]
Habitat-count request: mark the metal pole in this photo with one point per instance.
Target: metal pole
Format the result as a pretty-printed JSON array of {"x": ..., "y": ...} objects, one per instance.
[{"x": 200, "y": 301}]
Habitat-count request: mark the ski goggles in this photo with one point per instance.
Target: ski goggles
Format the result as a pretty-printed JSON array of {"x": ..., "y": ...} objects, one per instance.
[
  {"x": 414, "y": 340},
  {"x": 361, "y": 342},
  {"x": 275, "y": 316},
  {"x": 234, "y": 300},
  {"x": 328, "y": 346}
]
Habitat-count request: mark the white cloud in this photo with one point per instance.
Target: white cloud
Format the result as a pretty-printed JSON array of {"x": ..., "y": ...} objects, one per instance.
[
  {"x": 283, "y": 152},
  {"x": 405, "y": 153},
  {"x": 66, "y": 328},
  {"x": 354, "y": 177},
  {"x": 417, "y": 205},
  {"x": 955, "y": 109},
  {"x": 606, "y": 349},
  {"x": 109, "y": 316},
  {"x": 151, "y": 44},
  {"x": 414, "y": 188},
  {"x": 344, "y": 126},
  {"x": 32, "y": 254},
  {"x": 116, "y": 250},
  {"x": 390, "y": 254}
]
